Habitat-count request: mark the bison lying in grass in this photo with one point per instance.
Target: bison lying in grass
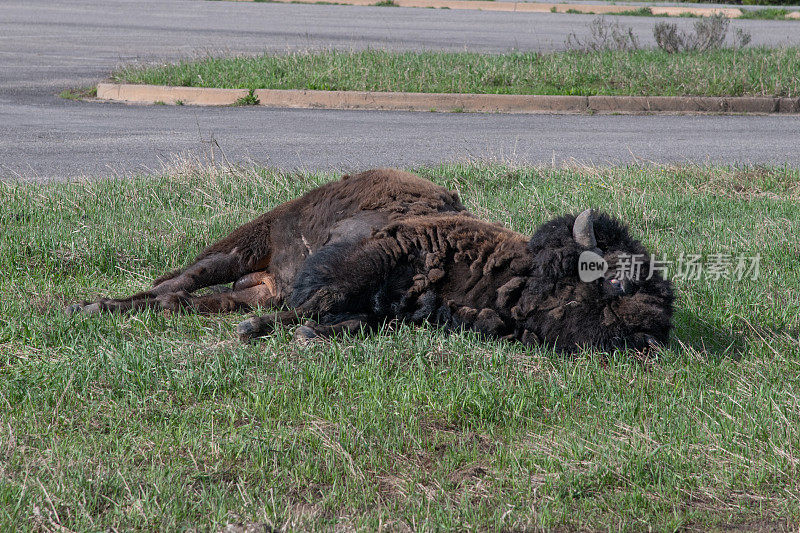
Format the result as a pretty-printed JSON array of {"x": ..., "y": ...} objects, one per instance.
[{"x": 386, "y": 244}]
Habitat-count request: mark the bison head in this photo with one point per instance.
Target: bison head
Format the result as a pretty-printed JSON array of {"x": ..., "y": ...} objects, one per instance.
[{"x": 620, "y": 303}]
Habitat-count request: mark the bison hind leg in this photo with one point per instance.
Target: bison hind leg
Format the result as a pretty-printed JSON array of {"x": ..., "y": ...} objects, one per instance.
[
  {"x": 213, "y": 269},
  {"x": 221, "y": 299}
]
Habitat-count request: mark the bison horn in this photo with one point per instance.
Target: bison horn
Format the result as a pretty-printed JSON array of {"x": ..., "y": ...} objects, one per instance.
[{"x": 583, "y": 230}]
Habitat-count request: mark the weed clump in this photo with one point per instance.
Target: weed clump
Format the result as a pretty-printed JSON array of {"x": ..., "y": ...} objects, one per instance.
[
  {"x": 605, "y": 35},
  {"x": 79, "y": 93},
  {"x": 249, "y": 99},
  {"x": 709, "y": 34}
]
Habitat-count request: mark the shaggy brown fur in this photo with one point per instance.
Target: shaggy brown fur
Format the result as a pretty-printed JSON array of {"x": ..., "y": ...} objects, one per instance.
[{"x": 386, "y": 244}]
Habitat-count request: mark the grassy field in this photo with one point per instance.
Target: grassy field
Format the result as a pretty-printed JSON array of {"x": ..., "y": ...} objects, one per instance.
[
  {"x": 758, "y": 71},
  {"x": 163, "y": 421},
  {"x": 732, "y": 3}
]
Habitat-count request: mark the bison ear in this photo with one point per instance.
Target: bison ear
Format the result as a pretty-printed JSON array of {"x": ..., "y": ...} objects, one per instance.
[{"x": 583, "y": 231}]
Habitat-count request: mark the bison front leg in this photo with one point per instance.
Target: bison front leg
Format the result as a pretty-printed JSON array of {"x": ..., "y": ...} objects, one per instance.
[
  {"x": 352, "y": 325},
  {"x": 173, "y": 291},
  {"x": 261, "y": 326}
]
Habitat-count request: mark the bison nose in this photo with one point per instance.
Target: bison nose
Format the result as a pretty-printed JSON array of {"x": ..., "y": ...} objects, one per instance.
[
  {"x": 648, "y": 343},
  {"x": 651, "y": 341},
  {"x": 616, "y": 287}
]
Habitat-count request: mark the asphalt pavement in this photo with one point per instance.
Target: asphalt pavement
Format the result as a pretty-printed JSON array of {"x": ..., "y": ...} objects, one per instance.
[{"x": 47, "y": 46}]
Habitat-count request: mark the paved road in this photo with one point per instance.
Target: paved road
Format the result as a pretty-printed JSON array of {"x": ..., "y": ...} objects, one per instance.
[{"x": 48, "y": 45}]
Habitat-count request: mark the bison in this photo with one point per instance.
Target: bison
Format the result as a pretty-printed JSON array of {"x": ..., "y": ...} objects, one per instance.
[{"x": 385, "y": 244}]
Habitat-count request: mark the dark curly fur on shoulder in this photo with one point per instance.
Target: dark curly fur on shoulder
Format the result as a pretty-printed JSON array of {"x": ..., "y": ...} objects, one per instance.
[{"x": 460, "y": 272}]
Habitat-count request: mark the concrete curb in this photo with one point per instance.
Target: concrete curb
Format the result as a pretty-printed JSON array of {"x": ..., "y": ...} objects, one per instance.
[
  {"x": 536, "y": 7},
  {"x": 471, "y": 103},
  {"x": 151, "y": 94}
]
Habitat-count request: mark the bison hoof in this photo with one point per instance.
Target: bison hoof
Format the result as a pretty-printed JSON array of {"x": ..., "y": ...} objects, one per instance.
[
  {"x": 247, "y": 329},
  {"x": 304, "y": 335},
  {"x": 252, "y": 328},
  {"x": 86, "y": 309}
]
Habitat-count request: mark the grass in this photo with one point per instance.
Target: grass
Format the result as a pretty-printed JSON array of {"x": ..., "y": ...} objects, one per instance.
[
  {"x": 162, "y": 421},
  {"x": 735, "y": 3},
  {"x": 771, "y": 13},
  {"x": 647, "y": 12},
  {"x": 726, "y": 72},
  {"x": 638, "y": 12},
  {"x": 78, "y": 93},
  {"x": 250, "y": 99},
  {"x": 752, "y": 14}
]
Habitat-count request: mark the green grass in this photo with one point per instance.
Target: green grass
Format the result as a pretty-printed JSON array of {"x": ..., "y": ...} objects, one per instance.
[
  {"x": 250, "y": 99},
  {"x": 78, "y": 93},
  {"x": 755, "y": 14},
  {"x": 735, "y": 3},
  {"x": 638, "y": 12},
  {"x": 771, "y": 13},
  {"x": 758, "y": 71},
  {"x": 160, "y": 422},
  {"x": 647, "y": 12}
]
